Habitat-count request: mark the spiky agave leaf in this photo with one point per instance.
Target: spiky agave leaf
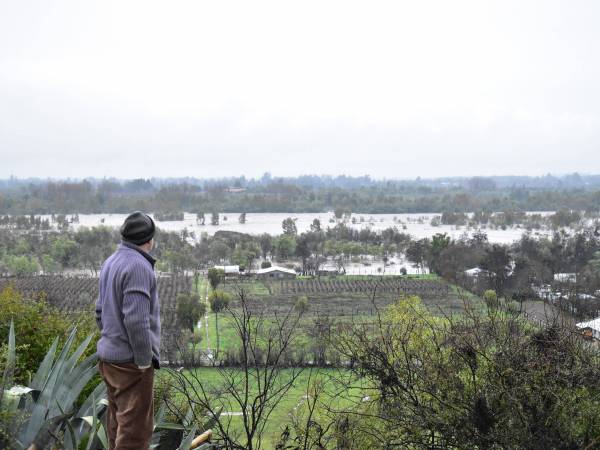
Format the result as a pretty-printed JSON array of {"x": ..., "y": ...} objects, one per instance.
[
  {"x": 9, "y": 370},
  {"x": 160, "y": 424},
  {"x": 102, "y": 437},
  {"x": 9, "y": 402},
  {"x": 62, "y": 385},
  {"x": 156, "y": 433},
  {"x": 39, "y": 408},
  {"x": 206, "y": 446},
  {"x": 94, "y": 425},
  {"x": 99, "y": 393},
  {"x": 67, "y": 392},
  {"x": 187, "y": 440},
  {"x": 41, "y": 375},
  {"x": 45, "y": 435},
  {"x": 81, "y": 425}
]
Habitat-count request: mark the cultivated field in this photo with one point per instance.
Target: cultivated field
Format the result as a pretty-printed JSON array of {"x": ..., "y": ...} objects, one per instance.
[
  {"x": 78, "y": 294},
  {"x": 350, "y": 296}
]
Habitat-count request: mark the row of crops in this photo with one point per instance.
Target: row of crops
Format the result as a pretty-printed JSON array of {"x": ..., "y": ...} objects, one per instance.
[
  {"x": 78, "y": 294},
  {"x": 343, "y": 305},
  {"x": 351, "y": 297},
  {"x": 69, "y": 294},
  {"x": 395, "y": 286}
]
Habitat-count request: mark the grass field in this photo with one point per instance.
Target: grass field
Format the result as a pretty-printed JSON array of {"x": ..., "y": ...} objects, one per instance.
[
  {"x": 347, "y": 304},
  {"x": 335, "y": 395},
  {"x": 227, "y": 335}
]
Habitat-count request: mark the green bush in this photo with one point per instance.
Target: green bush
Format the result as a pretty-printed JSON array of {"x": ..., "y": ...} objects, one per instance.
[
  {"x": 37, "y": 324},
  {"x": 491, "y": 299}
]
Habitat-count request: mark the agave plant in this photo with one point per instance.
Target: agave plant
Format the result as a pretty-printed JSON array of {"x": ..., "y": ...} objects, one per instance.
[
  {"x": 46, "y": 405},
  {"x": 45, "y": 409}
]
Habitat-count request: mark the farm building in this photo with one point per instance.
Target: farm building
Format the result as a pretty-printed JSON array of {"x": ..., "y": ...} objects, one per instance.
[
  {"x": 544, "y": 292},
  {"x": 230, "y": 271},
  {"x": 475, "y": 272},
  {"x": 583, "y": 305},
  {"x": 565, "y": 277},
  {"x": 325, "y": 271},
  {"x": 275, "y": 272},
  {"x": 590, "y": 328}
]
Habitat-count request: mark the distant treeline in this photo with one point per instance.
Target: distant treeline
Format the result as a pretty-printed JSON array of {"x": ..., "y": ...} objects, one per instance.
[{"x": 301, "y": 194}]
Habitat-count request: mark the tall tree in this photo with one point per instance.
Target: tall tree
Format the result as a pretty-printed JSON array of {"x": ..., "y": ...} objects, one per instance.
[
  {"x": 215, "y": 277},
  {"x": 439, "y": 242},
  {"x": 497, "y": 262},
  {"x": 189, "y": 310},
  {"x": 303, "y": 250},
  {"x": 289, "y": 227},
  {"x": 285, "y": 246},
  {"x": 219, "y": 301},
  {"x": 315, "y": 225},
  {"x": 266, "y": 244},
  {"x": 416, "y": 252}
]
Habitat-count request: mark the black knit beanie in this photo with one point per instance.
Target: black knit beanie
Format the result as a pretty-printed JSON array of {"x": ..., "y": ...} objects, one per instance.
[{"x": 138, "y": 228}]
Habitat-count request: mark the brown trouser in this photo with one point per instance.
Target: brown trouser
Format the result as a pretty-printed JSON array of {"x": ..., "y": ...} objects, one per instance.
[{"x": 130, "y": 417}]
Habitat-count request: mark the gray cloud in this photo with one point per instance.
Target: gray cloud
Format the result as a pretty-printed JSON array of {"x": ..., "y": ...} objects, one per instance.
[{"x": 393, "y": 89}]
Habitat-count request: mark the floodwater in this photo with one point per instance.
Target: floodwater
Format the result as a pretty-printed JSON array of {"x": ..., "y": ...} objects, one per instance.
[{"x": 417, "y": 225}]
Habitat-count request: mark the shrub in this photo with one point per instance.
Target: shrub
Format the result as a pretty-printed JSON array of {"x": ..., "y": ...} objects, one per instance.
[
  {"x": 37, "y": 324},
  {"x": 491, "y": 299}
]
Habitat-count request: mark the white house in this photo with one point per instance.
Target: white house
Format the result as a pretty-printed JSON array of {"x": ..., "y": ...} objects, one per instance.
[
  {"x": 476, "y": 271},
  {"x": 590, "y": 328},
  {"x": 565, "y": 277},
  {"x": 328, "y": 271},
  {"x": 276, "y": 272},
  {"x": 230, "y": 271}
]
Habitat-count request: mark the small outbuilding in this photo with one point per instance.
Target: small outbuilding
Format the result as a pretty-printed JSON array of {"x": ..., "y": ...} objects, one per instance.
[
  {"x": 230, "y": 271},
  {"x": 476, "y": 272},
  {"x": 565, "y": 277},
  {"x": 328, "y": 271},
  {"x": 590, "y": 328},
  {"x": 276, "y": 272}
]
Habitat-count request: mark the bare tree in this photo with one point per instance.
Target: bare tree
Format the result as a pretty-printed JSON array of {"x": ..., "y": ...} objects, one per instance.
[{"x": 252, "y": 379}]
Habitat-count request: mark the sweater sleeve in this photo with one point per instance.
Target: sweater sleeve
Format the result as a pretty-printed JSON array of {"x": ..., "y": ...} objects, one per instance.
[
  {"x": 136, "y": 312},
  {"x": 99, "y": 298},
  {"x": 99, "y": 315}
]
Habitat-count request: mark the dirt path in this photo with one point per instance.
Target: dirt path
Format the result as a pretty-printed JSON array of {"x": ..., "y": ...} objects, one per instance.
[
  {"x": 206, "y": 318},
  {"x": 203, "y": 322}
]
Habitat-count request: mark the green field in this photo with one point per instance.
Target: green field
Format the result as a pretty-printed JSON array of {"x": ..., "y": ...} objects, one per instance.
[
  {"x": 351, "y": 303},
  {"x": 346, "y": 305},
  {"x": 334, "y": 395}
]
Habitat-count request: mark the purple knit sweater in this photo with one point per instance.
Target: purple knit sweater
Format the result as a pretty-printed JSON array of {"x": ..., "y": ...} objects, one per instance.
[{"x": 127, "y": 309}]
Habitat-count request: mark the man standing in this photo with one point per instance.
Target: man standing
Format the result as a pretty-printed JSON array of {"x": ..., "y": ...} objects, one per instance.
[{"x": 127, "y": 313}]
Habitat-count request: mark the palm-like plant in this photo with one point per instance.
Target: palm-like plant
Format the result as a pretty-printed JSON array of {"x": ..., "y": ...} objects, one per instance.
[{"x": 45, "y": 410}]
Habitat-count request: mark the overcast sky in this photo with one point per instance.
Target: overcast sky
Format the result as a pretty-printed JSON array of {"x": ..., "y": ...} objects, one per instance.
[{"x": 393, "y": 89}]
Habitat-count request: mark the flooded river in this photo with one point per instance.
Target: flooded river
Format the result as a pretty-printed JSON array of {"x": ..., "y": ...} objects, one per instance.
[{"x": 417, "y": 225}]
